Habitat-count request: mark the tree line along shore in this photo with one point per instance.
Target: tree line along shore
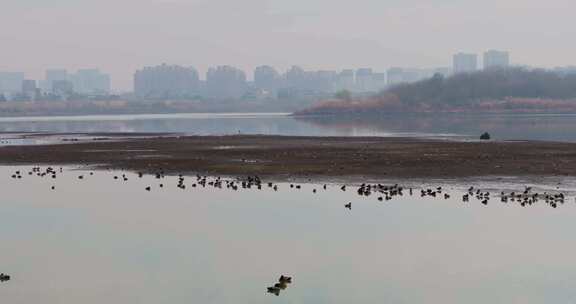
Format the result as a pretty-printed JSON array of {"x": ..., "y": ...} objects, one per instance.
[{"x": 493, "y": 90}]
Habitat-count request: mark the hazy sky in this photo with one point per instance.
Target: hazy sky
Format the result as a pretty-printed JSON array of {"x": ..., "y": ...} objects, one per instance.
[{"x": 119, "y": 36}]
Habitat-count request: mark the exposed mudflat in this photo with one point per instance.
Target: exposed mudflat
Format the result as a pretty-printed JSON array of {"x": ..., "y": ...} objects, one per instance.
[{"x": 307, "y": 157}]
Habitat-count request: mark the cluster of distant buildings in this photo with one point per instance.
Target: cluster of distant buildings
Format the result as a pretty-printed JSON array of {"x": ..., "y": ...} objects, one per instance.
[
  {"x": 227, "y": 82},
  {"x": 173, "y": 81},
  {"x": 466, "y": 63},
  {"x": 57, "y": 85}
]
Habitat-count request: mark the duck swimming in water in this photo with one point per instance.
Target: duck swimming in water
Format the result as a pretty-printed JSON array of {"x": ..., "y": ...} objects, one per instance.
[
  {"x": 285, "y": 279},
  {"x": 274, "y": 290},
  {"x": 282, "y": 284}
]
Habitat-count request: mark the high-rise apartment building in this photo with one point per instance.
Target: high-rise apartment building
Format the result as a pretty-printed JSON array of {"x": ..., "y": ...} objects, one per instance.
[
  {"x": 379, "y": 81},
  {"x": 465, "y": 63},
  {"x": 345, "y": 80},
  {"x": 496, "y": 59},
  {"x": 62, "y": 88},
  {"x": 395, "y": 76},
  {"x": 11, "y": 82},
  {"x": 296, "y": 77},
  {"x": 29, "y": 89},
  {"x": 267, "y": 78},
  {"x": 226, "y": 82},
  {"x": 91, "y": 81},
  {"x": 166, "y": 81},
  {"x": 364, "y": 80},
  {"x": 52, "y": 76}
]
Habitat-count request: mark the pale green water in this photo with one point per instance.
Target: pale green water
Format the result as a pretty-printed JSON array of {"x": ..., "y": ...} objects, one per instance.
[{"x": 101, "y": 240}]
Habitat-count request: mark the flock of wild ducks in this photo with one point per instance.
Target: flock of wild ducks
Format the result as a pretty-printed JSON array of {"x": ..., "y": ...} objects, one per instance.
[
  {"x": 527, "y": 197},
  {"x": 524, "y": 198}
]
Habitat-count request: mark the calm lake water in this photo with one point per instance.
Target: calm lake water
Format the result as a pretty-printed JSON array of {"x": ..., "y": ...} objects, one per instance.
[
  {"x": 455, "y": 126},
  {"x": 101, "y": 240}
]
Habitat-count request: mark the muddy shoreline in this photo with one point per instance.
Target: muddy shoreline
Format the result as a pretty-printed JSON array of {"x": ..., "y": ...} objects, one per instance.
[{"x": 312, "y": 158}]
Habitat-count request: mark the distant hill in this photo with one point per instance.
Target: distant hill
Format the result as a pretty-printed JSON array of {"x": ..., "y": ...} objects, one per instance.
[{"x": 493, "y": 90}]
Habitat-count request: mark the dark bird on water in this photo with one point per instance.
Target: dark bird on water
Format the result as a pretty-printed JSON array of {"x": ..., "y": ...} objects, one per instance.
[
  {"x": 485, "y": 136},
  {"x": 282, "y": 284},
  {"x": 285, "y": 279},
  {"x": 274, "y": 290}
]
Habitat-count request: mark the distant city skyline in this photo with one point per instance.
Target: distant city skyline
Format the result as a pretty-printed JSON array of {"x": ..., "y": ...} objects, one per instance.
[
  {"x": 315, "y": 34},
  {"x": 230, "y": 82},
  {"x": 121, "y": 84},
  {"x": 225, "y": 81},
  {"x": 56, "y": 83},
  {"x": 360, "y": 79},
  {"x": 174, "y": 81}
]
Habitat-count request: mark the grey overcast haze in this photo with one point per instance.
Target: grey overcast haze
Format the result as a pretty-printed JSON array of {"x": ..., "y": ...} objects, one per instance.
[{"x": 120, "y": 36}]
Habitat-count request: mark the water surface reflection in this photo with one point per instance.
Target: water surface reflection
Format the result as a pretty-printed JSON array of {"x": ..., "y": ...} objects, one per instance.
[{"x": 100, "y": 239}]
